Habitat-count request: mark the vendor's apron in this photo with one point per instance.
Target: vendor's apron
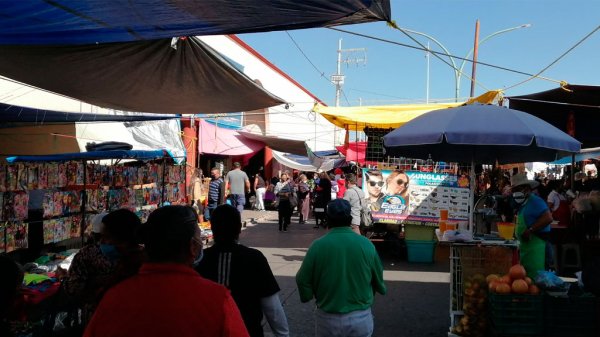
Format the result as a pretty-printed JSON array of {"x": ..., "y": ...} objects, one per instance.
[
  {"x": 562, "y": 214},
  {"x": 532, "y": 252}
]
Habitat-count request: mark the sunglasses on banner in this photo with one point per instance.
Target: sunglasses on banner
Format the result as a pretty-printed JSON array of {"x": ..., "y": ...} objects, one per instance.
[{"x": 374, "y": 183}]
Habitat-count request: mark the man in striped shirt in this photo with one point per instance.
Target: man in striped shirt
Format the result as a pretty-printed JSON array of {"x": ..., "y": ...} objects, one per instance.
[
  {"x": 215, "y": 192},
  {"x": 245, "y": 271}
]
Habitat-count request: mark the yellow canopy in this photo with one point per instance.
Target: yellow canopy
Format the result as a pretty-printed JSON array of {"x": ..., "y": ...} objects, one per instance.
[{"x": 387, "y": 116}]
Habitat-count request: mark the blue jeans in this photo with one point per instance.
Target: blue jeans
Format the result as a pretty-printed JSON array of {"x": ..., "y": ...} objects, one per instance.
[
  {"x": 353, "y": 324},
  {"x": 240, "y": 201},
  {"x": 208, "y": 211}
]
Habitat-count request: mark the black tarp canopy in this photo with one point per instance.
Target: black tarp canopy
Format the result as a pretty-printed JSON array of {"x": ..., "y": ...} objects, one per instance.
[
  {"x": 574, "y": 109},
  {"x": 145, "y": 76}
]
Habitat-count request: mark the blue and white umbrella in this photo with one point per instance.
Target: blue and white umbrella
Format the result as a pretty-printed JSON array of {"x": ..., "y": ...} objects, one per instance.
[{"x": 480, "y": 134}]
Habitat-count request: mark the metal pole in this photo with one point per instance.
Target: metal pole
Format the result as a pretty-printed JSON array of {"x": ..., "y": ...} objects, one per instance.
[
  {"x": 338, "y": 86},
  {"x": 427, "y": 81},
  {"x": 464, "y": 61},
  {"x": 475, "y": 53},
  {"x": 456, "y": 74}
]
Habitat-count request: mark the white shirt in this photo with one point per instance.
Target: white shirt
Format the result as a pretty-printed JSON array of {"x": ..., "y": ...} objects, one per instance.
[{"x": 555, "y": 198}]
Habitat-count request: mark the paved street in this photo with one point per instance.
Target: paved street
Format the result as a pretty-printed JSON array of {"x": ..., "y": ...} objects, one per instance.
[{"x": 416, "y": 303}]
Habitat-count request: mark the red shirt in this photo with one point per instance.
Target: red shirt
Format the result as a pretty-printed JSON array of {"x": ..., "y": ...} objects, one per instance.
[
  {"x": 341, "y": 188},
  {"x": 167, "y": 300}
]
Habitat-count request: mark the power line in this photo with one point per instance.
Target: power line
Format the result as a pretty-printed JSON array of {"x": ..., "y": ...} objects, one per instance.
[
  {"x": 557, "y": 59},
  {"x": 444, "y": 54},
  {"x": 322, "y": 74}
]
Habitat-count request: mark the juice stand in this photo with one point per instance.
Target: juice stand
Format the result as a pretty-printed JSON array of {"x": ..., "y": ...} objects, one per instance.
[{"x": 464, "y": 134}]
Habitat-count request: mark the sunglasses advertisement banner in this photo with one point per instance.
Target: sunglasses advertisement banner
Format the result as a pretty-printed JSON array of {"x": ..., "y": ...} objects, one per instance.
[{"x": 414, "y": 197}]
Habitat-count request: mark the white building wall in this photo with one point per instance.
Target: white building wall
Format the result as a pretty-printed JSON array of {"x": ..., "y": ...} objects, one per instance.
[{"x": 294, "y": 122}]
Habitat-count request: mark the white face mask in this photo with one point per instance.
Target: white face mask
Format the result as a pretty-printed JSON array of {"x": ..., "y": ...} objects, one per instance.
[{"x": 519, "y": 197}]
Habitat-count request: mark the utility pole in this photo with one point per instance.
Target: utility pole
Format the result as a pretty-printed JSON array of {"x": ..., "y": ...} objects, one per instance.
[
  {"x": 475, "y": 53},
  {"x": 427, "y": 82},
  {"x": 355, "y": 56}
]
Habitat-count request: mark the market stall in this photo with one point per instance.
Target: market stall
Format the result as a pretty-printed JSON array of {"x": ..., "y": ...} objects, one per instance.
[
  {"x": 48, "y": 203},
  {"x": 478, "y": 268}
]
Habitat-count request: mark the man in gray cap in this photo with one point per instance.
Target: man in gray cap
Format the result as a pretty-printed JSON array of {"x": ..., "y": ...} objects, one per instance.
[{"x": 342, "y": 271}]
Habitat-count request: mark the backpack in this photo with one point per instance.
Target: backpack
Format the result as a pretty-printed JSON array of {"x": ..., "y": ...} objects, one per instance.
[{"x": 365, "y": 213}]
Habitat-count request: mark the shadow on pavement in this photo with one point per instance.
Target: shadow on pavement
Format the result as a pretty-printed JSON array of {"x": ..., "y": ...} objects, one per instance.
[{"x": 408, "y": 309}]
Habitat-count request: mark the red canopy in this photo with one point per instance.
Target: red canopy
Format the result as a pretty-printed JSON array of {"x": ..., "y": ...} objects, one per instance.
[{"x": 355, "y": 151}]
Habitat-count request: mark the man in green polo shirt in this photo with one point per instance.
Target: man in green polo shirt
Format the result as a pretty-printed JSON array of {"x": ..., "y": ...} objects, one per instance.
[{"x": 342, "y": 271}]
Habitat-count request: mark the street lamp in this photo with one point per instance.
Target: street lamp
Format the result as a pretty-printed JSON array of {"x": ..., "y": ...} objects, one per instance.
[
  {"x": 458, "y": 71},
  {"x": 464, "y": 61}
]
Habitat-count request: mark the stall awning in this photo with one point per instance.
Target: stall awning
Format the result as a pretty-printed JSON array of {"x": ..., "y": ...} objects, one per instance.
[
  {"x": 584, "y": 154},
  {"x": 278, "y": 144},
  {"x": 226, "y": 142},
  {"x": 145, "y": 76},
  {"x": 300, "y": 163},
  {"x": 21, "y": 114},
  {"x": 383, "y": 116},
  {"x": 355, "y": 151},
  {"x": 388, "y": 116},
  {"x": 93, "y": 155},
  {"x": 574, "y": 109},
  {"x": 61, "y": 22}
]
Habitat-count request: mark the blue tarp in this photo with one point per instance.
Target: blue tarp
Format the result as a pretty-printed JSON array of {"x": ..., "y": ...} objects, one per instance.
[
  {"x": 69, "y": 22},
  {"x": 14, "y": 113},
  {"x": 93, "y": 155},
  {"x": 585, "y": 154}
]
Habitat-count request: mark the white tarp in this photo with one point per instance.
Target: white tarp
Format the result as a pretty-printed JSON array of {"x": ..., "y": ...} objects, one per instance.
[
  {"x": 147, "y": 135},
  {"x": 283, "y": 160}
]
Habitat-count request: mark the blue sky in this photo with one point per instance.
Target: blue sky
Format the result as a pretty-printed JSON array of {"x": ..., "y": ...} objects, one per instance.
[{"x": 395, "y": 74}]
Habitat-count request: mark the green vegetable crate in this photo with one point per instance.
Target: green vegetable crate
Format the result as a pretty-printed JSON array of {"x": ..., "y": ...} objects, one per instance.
[
  {"x": 574, "y": 316},
  {"x": 516, "y": 314}
]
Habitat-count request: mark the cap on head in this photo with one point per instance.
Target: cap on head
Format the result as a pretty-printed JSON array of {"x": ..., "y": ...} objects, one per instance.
[{"x": 339, "y": 212}]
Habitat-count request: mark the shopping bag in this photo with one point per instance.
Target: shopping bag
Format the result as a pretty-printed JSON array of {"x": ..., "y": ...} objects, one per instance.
[
  {"x": 293, "y": 200},
  {"x": 365, "y": 217}
]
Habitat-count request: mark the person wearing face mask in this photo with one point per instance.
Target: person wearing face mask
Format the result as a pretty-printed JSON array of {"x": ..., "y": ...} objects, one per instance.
[
  {"x": 245, "y": 272},
  {"x": 167, "y": 297},
  {"x": 533, "y": 224},
  {"x": 98, "y": 266}
]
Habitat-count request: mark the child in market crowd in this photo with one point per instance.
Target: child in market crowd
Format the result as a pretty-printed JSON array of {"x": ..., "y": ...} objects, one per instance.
[
  {"x": 100, "y": 265},
  {"x": 246, "y": 273},
  {"x": 10, "y": 282},
  {"x": 167, "y": 297}
]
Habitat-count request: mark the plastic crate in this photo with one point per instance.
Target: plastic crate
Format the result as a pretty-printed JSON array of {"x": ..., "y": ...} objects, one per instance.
[
  {"x": 419, "y": 232},
  {"x": 468, "y": 260},
  {"x": 420, "y": 251},
  {"x": 516, "y": 315},
  {"x": 575, "y": 316}
]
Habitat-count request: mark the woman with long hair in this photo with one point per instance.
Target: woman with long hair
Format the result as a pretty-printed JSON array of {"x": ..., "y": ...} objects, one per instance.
[
  {"x": 303, "y": 198},
  {"x": 260, "y": 186}
]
